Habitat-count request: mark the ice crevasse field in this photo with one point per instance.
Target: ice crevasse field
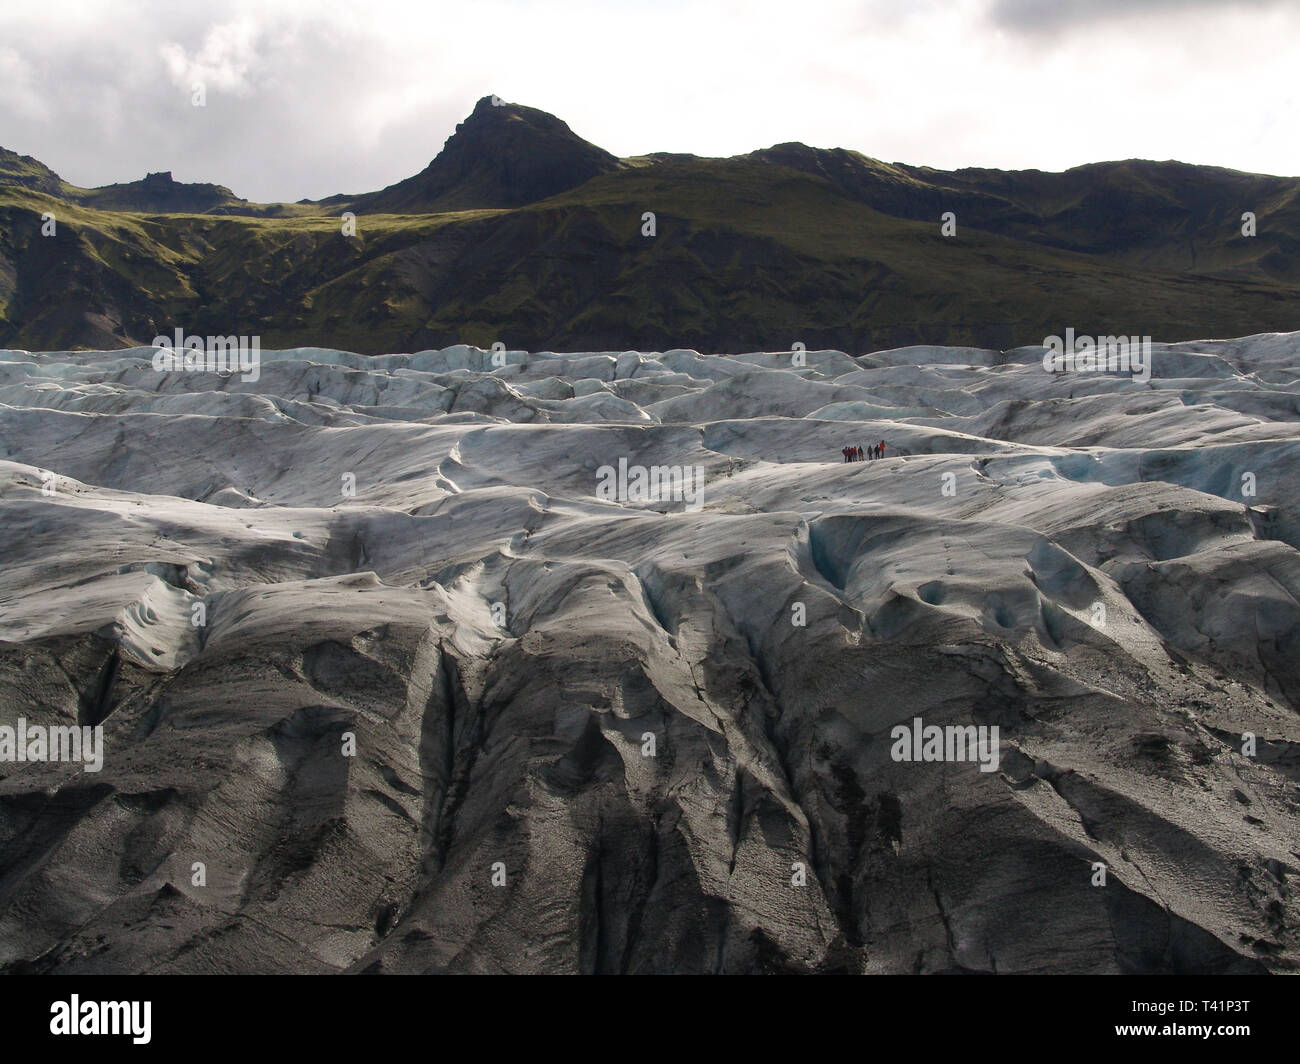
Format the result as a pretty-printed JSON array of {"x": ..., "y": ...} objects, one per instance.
[{"x": 650, "y": 709}]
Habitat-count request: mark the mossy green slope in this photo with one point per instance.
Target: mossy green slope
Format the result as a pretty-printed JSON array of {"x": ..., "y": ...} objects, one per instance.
[{"x": 829, "y": 248}]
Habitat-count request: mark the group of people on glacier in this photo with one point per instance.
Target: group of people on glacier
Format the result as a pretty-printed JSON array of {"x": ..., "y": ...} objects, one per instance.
[{"x": 856, "y": 454}]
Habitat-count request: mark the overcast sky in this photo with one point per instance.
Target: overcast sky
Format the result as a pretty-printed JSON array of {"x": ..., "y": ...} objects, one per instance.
[{"x": 310, "y": 97}]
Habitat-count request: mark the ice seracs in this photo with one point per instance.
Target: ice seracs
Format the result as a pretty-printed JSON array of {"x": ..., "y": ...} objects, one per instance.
[{"x": 379, "y": 642}]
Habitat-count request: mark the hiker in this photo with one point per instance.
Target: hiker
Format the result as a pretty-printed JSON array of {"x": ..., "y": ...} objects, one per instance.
[
  {"x": 860, "y": 455},
  {"x": 882, "y": 449},
  {"x": 845, "y": 451}
]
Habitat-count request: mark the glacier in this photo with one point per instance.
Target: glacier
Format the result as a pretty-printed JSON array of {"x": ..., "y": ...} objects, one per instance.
[{"x": 387, "y": 684}]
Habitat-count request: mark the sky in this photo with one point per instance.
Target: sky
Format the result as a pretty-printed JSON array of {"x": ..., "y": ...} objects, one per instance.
[{"x": 306, "y": 98}]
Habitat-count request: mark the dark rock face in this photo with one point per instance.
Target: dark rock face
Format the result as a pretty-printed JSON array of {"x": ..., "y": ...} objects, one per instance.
[
  {"x": 502, "y": 155},
  {"x": 448, "y": 709}
]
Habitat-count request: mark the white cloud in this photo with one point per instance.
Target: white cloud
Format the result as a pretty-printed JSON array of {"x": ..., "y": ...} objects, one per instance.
[
  {"x": 22, "y": 94},
  {"x": 311, "y": 97},
  {"x": 222, "y": 61}
]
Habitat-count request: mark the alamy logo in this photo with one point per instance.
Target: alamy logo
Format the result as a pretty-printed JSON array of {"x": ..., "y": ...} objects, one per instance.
[
  {"x": 102, "y": 1017},
  {"x": 956, "y": 742},
  {"x": 638, "y": 483},
  {"x": 37, "y": 742},
  {"x": 209, "y": 354},
  {"x": 1101, "y": 354}
]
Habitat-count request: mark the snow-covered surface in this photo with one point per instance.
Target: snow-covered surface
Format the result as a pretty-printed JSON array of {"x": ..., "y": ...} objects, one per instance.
[{"x": 962, "y": 579}]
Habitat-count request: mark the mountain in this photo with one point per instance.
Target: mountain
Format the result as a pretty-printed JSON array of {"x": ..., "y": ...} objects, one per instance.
[
  {"x": 502, "y": 155},
  {"x": 520, "y": 231},
  {"x": 22, "y": 171},
  {"x": 156, "y": 193},
  {"x": 160, "y": 193}
]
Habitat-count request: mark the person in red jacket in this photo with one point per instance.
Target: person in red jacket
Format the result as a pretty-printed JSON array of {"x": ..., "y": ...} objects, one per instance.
[{"x": 881, "y": 450}]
